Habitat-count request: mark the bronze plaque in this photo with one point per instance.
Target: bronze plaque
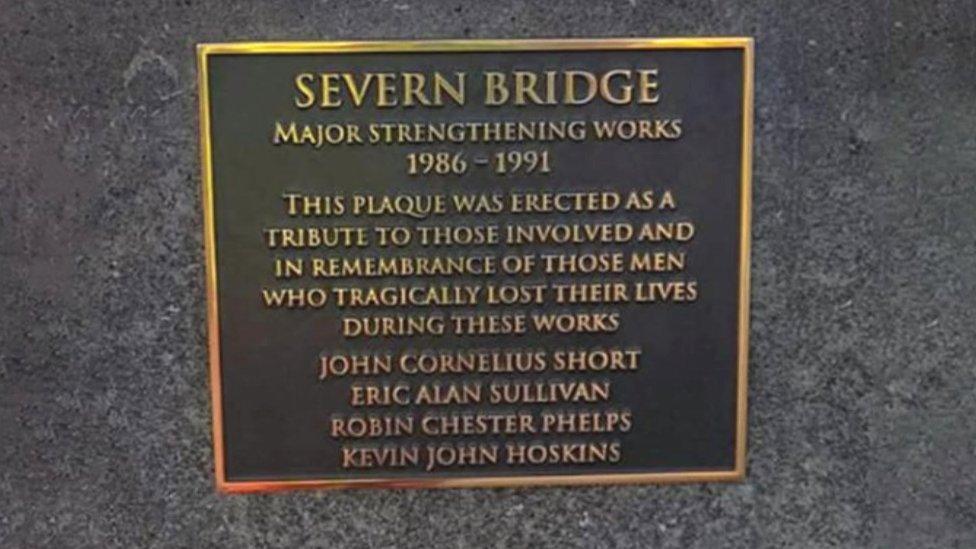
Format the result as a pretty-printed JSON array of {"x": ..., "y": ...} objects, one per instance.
[{"x": 477, "y": 263}]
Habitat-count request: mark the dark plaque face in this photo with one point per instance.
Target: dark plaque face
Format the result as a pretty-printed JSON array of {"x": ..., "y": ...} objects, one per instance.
[{"x": 477, "y": 263}]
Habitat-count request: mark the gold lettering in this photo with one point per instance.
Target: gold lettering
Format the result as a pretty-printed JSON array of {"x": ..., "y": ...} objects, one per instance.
[
  {"x": 496, "y": 93},
  {"x": 330, "y": 89},
  {"x": 648, "y": 84},
  {"x": 570, "y": 97},
  {"x": 307, "y": 97},
  {"x": 357, "y": 92},
  {"x": 627, "y": 90}
]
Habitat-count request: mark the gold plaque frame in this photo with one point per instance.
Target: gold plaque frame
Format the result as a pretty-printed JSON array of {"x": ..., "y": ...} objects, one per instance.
[{"x": 737, "y": 473}]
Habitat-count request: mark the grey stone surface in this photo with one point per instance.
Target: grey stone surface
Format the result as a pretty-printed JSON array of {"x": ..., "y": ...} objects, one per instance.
[{"x": 863, "y": 370}]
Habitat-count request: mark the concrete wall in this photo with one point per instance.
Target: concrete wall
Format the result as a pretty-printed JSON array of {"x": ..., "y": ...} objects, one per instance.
[{"x": 863, "y": 370}]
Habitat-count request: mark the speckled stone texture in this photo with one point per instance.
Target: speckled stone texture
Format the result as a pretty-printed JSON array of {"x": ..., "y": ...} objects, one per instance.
[{"x": 863, "y": 369}]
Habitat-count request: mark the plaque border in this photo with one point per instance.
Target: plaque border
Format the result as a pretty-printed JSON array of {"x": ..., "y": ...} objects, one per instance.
[{"x": 736, "y": 474}]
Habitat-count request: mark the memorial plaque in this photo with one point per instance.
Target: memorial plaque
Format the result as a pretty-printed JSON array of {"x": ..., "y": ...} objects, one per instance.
[{"x": 477, "y": 263}]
